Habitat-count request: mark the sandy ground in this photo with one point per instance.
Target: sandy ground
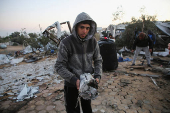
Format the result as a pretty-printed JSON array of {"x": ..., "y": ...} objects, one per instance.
[{"x": 11, "y": 49}]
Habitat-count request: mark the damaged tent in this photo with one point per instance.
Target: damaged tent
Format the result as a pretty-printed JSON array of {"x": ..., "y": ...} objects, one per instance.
[{"x": 58, "y": 36}]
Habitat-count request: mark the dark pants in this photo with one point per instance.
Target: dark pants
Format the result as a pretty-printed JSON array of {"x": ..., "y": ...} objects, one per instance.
[
  {"x": 71, "y": 95},
  {"x": 152, "y": 52}
]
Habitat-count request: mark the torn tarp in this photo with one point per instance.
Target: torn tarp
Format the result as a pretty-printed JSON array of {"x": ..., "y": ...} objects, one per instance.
[
  {"x": 28, "y": 49},
  {"x": 17, "y": 60},
  {"x": 86, "y": 91},
  {"x": 27, "y": 92},
  {"x": 4, "y": 59},
  {"x": 57, "y": 25}
]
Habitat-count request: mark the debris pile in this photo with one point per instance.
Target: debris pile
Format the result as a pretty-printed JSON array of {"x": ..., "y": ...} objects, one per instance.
[{"x": 14, "y": 78}]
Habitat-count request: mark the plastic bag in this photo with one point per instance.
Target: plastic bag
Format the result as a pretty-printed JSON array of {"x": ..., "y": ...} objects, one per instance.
[{"x": 88, "y": 87}]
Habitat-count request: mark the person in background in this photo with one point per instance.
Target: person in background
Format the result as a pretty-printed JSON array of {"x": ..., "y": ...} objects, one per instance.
[
  {"x": 111, "y": 37},
  {"x": 141, "y": 43},
  {"x": 75, "y": 57},
  {"x": 152, "y": 37}
]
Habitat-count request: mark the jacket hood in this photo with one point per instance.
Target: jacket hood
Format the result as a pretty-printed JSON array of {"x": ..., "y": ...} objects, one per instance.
[{"x": 82, "y": 17}]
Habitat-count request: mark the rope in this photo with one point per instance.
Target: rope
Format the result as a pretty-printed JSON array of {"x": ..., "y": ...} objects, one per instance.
[{"x": 79, "y": 101}]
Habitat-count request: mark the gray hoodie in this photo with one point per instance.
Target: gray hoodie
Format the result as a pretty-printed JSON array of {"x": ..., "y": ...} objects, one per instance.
[{"x": 75, "y": 57}]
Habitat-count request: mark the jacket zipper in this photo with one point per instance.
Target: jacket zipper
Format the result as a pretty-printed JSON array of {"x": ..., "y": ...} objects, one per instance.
[{"x": 83, "y": 57}]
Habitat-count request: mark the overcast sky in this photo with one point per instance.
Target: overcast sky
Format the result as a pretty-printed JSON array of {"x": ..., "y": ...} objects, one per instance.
[{"x": 29, "y": 14}]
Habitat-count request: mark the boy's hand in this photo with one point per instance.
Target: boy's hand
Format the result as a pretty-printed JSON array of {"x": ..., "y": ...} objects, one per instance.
[
  {"x": 78, "y": 84},
  {"x": 150, "y": 50},
  {"x": 97, "y": 80}
]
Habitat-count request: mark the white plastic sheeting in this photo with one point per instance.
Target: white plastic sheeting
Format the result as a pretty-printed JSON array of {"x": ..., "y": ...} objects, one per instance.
[
  {"x": 4, "y": 59},
  {"x": 85, "y": 91},
  {"x": 50, "y": 46},
  {"x": 164, "y": 54},
  {"x": 58, "y": 27},
  {"x": 26, "y": 36},
  {"x": 124, "y": 49},
  {"x": 27, "y": 92},
  {"x": 28, "y": 49},
  {"x": 15, "y": 77},
  {"x": 17, "y": 60}
]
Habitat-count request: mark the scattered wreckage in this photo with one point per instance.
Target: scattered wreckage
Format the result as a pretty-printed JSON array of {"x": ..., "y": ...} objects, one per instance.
[
  {"x": 21, "y": 83},
  {"x": 5, "y": 59},
  {"x": 57, "y": 25},
  {"x": 28, "y": 92},
  {"x": 3, "y": 46}
]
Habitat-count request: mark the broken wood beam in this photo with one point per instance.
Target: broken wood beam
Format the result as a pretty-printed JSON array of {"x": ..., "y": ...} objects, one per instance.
[
  {"x": 148, "y": 75},
  {"x": 136, "y": 67}
]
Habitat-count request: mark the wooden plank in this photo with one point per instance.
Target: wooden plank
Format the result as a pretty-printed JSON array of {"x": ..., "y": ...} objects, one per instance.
[{"x": 137, "y": 67}]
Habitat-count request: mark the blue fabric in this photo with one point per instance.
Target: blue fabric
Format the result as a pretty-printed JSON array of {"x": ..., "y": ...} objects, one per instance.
[
  {"x": 127, "y": 59},
  {"x": 124, "y": 60},
  {"x": 120, "y": 59},
  {"x": 151, "y": 37},
  {"x": 52, "y": 51}
]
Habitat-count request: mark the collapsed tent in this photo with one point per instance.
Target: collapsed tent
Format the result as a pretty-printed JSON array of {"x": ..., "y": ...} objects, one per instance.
[{"x": 57, "y": 25}]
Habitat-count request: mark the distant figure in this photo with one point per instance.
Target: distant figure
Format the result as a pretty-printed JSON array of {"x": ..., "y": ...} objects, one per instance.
[
  {"x": 111, "y": 37},
  {"x": 152, "y": 37},
  {"x": 141, "y": 43},
  {"x": 17, "y": 53}
]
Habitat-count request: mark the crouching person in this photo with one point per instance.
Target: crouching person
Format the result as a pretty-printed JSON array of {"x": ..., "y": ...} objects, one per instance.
[
  {"x": 75, "y": 57},
  {"x": 141, "y": 43}
]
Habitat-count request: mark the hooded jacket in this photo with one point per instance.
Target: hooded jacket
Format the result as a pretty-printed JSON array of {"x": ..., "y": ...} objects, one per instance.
[
  {"x": 142, "y": 43},
  {"x": 75, "y": 56}
]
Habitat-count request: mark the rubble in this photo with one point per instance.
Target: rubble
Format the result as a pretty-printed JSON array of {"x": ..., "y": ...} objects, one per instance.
[{"x": 14, "y": 78}]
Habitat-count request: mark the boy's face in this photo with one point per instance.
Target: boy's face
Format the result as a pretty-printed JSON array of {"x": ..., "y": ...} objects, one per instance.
[{"x": 83, "y": 30}]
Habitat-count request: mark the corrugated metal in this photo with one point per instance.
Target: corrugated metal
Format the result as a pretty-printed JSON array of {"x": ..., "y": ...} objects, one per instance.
[{"x": 164, "y": 27}]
